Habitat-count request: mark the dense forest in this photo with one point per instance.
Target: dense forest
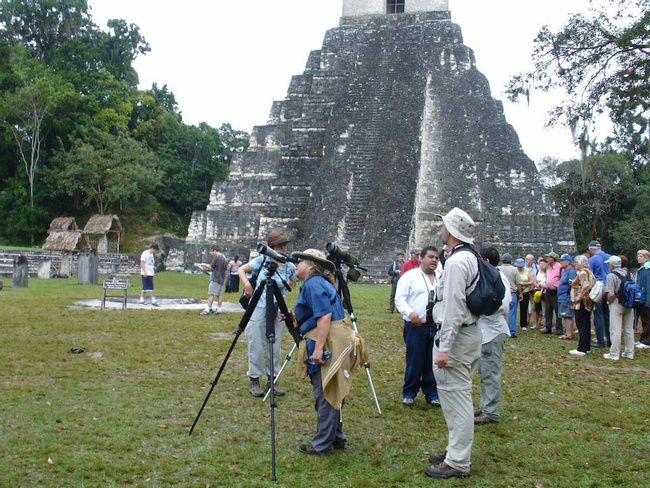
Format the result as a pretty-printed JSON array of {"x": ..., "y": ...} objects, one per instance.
[{"x": 77, "y": 136}]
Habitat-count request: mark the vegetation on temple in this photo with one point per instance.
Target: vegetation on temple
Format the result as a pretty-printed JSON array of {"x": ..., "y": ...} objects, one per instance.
[
  {"x": 78, "y": 137},
  {"x": 600, "y": 60}
]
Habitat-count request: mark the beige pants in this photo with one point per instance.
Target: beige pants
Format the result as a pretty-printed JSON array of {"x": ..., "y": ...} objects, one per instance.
[
  {"x": 621, "y": 319},
  {"x": 455, "y": 392}
]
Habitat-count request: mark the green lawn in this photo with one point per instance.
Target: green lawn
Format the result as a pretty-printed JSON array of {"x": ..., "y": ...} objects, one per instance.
[{"x": 119, "y": 414}]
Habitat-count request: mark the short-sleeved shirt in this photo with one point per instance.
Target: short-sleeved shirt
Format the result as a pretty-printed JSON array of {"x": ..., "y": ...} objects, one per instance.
[
  {"x": 317, "y": 298},
  {"x": 218, "y": 265},
  {"x": 614, "y": 282},
  {"x": 286, "y": 271},
  {"x": 147, "y": 257},
  {"x": 598, "y": 267},
  {"x": 553, "y": 274},
  {"x": 564, "y": 288},
  {"x": 514, "y": 278}
]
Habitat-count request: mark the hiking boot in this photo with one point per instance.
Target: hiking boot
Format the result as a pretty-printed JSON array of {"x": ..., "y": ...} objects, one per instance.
[
  {"x": 478, "y": 412},
  {"x": 309, "y": 449},
  {"x": 256, "y": 389},
  {"x": 436, "y": 458},
  {"x": 445, "y": 471},
  {"x": 276, "y": 389},
  {"x": 482, "y": 419}
]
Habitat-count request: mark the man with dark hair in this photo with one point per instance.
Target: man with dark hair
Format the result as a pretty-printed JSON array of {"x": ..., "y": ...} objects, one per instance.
[
  {"x": 415, "y": 296},
  {"x": 256, "y": 329},
  {"x": 147, "y": 270},
  {"x": 218, "y": 267},
  {"x": 494, "y": 331},
  {"x": 394, "y": 271},
  {"x": 553, "y": 274}
]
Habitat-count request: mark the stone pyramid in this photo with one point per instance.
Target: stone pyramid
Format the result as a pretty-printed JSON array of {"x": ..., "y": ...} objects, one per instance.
[{"x": 389, "y": 124}]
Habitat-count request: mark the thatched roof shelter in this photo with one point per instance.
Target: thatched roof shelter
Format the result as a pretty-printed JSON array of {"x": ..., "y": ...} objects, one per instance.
[
  {"x": 104, "y": 232},
  {"x": 67, "y": 240},
  {"x": 61, "y": 224}
]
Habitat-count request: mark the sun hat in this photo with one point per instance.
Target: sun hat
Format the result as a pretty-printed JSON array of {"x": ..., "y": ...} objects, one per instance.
[
  {"x": 277, "y": 239},
  {"x": 459, "y": 224},
  {"x": 315, "y": 256},
  {"x": 614, "y": 261},
  {"x": 520, "y": 263},
  {"x": 566, "y": 257},
  {"x": 552, "y": 255}
]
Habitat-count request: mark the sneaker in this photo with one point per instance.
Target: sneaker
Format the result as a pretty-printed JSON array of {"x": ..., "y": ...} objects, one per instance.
[
  {"x": 546, "y": 331},
  {"x": 598, "y": 345},
  {"x": 141, "y": 302},
  {"x": 408, "y": 402},
  {"x": 575, "y": 352},
  {"x": 444, "y": 471},
  {"x": 207, "y": 311},
  {"x": 154, "y": 304},
  {"x": 628, "y": 355},
  {"x": 482, "y": 419},
  {"x": 437, "y": 457},
  {"x": 524, "y": 328},
  {"x": 435, "y": 403},
  {"x": 256, "y": 389},
  {"x": 641, "y": 345},
  {"x": 609, "y": 355},
  {"x": 218, "y": 311}
]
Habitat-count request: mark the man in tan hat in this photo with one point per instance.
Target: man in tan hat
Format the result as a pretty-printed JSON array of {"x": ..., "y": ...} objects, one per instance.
[{"x": 457, "y": 349}]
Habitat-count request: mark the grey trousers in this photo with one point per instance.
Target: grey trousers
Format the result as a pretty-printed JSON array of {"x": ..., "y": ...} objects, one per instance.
[
  {"x": 489, "y": 368},
  {"x": 621, "y": 322},
  {"x": 328, "y": 425},
  {"x": 455, "y": 391},
  {"x": 257, "y": 344}
]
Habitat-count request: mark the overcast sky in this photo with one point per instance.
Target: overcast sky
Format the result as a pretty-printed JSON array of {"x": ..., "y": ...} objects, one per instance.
[{"x": 227, "y": 61}]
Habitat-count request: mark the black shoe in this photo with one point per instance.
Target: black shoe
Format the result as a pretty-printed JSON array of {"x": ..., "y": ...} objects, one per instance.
[
  {"x": 546, "y": 331},
  {"x": 513, "y": 336},
  {"x": 559, "y": 332},
  {"x": 597, "y": 345},
  {"x": 436, "y": 458},
  {"x": 444, "y": 471},
  {"x": 339, "y": 444}
]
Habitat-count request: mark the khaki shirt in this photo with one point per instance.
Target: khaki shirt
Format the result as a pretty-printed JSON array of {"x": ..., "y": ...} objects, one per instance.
[{"x": 452, "y": 312}]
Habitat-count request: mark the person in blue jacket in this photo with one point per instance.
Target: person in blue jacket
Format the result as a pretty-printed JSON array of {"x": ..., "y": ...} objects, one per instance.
[{"x": 643, "y": 280}]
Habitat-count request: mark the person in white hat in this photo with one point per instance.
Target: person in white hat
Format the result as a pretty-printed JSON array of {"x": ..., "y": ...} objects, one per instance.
[
  {"x": 621, "y": 319},
  {"x": 458, "y": 349},
  {"x": 331, "y": 351}
]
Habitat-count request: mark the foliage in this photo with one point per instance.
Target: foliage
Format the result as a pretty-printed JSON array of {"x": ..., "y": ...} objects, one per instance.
[
  {"x": 106, "y": 169},
  {"x": 593, "y": 190},
  {"x": 118, "y": 414},
  {"x": 69, "y": 96},
  {"x": 20, "y": 221},
  {"x": 601, "y": 61}
]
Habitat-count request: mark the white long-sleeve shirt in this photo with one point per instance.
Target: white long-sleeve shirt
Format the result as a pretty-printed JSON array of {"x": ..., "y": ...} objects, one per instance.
[
  {"x": 497, "y": 323},
  {"x": 412, "y": 293}
]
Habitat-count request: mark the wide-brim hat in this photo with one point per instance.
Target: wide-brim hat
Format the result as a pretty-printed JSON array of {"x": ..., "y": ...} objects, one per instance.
[
  {"x": 520, "y": 263},
  {"x": 459, "y": 224},
  {"x": 316, "y": 256}
]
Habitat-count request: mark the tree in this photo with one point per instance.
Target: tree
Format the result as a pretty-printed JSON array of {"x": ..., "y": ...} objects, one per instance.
[
  {"x": 27, "y": 109},
  {"x": 601, "y": 61},
  {"x": 593, "y": 190},
  {"x": 106, "y": 169}
]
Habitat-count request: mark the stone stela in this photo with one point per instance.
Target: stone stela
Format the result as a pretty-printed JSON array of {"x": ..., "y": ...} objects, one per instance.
[{"x": 390, "y": 123}]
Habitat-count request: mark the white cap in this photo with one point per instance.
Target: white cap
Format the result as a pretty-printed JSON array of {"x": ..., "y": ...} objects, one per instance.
[{"x": 459, "y": 224}]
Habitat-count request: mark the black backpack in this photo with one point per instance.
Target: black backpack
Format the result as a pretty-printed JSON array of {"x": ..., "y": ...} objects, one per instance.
[{"x": 488, "y": 295}]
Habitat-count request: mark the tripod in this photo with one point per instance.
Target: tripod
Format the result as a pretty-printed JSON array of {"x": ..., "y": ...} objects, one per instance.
[
  {"x": 344, "y": 291},
  {"x": 270, "y": 287}
]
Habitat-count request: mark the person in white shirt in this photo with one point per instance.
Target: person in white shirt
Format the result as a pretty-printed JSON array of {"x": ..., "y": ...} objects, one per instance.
[
  {"x": 494, "y": 330},
  {"x": 415, "y": 291},
  {"x": 147, "y": 270}
]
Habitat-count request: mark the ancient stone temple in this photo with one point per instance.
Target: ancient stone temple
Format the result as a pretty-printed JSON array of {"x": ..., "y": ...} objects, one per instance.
[{"x": 389, "y": 124}]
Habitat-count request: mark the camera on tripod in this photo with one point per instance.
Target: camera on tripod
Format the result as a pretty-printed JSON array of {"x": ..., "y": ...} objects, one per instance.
[
  {"x": 341, "y": 256},
  {"x": 273, "y": 254}
]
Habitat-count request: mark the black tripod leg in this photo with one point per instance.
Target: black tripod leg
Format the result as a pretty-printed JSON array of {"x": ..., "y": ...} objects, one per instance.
[
  {"x": 270, "y": 341},
  {"x": 242, "y": 326},
  {"x": 288, "y": 320}
]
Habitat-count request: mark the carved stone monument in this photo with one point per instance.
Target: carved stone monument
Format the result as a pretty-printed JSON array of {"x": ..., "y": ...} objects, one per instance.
[
  {"x": 21, "y": 272},
  {"x": 88, "y": 268},
  {"x": 389, "y": 124}
]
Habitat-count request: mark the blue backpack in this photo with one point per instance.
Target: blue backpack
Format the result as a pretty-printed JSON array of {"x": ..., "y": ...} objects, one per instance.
[{"x": 630, "y": 294}]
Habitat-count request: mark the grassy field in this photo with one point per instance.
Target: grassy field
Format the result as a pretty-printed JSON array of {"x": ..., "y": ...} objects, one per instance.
[{"x": 119, "y": 414}]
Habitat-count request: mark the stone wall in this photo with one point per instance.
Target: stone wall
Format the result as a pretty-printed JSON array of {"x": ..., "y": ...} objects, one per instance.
[
  {"x": 353, "y": 8},
  {"x": 389, "y": 124},
  {"x": 108, "y": 263}
]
